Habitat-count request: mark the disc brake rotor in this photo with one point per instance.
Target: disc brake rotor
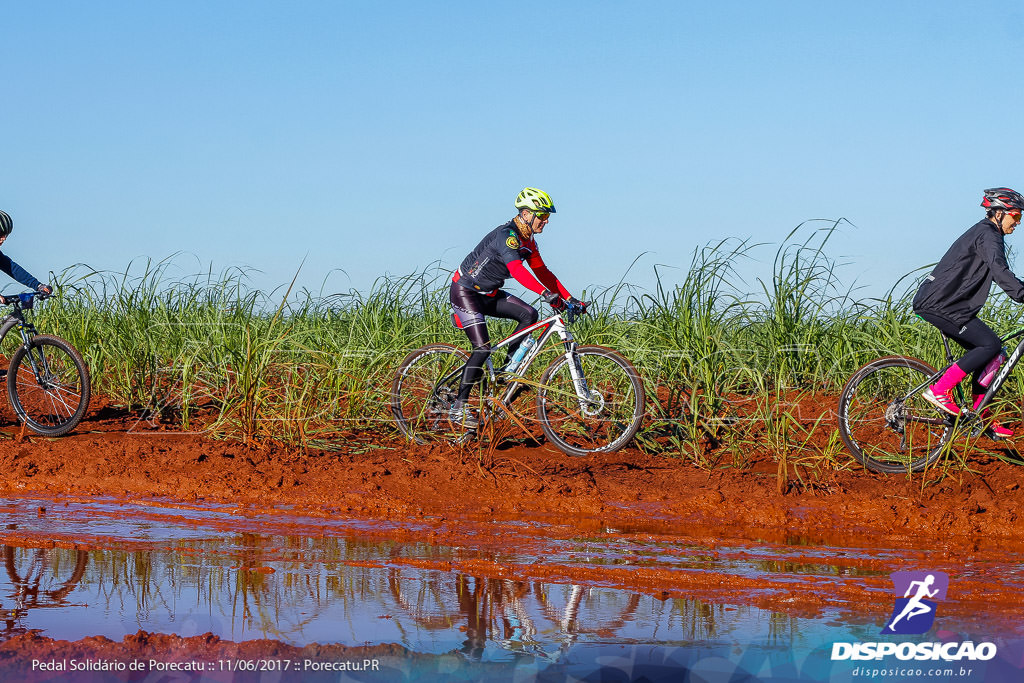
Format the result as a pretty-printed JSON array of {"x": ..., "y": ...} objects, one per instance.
[{"x": 594, "y": 405}]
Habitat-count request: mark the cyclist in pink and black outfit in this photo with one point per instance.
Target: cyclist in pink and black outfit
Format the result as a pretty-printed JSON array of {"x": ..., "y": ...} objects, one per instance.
[
  {"x": 476, "y": 287},
  {"x": 957, "y": 288}
]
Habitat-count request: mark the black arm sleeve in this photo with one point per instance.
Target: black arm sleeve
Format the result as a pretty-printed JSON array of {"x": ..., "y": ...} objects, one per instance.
[{"x": 993, "y": 251}]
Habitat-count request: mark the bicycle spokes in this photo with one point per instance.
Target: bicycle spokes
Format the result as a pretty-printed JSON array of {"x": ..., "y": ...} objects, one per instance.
[
  {"x": 48, "y": 386},
  {"x": 593, "y": 403},
  {"x": 885, "y": 422},
  {"x": 424, "y": 391}
]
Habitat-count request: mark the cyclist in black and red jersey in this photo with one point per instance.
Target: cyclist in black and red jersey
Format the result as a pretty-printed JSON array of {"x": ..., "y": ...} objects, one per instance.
[
  {"x": 476, "y": 287},
  {"x": 13, "y": 269},
  {"x": 954, "y": 293}
]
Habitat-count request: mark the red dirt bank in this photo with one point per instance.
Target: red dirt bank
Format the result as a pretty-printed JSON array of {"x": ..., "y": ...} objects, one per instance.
[
  {"x": 381, "y": 476},
  {"x": 970, "y": 514}
]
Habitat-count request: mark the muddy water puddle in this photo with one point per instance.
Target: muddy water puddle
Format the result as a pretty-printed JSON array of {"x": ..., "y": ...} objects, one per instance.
[{"x": 490, "y": 591}]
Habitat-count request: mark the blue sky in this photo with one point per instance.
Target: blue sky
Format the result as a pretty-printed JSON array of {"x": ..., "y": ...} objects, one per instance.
[{"x": 378, "y": 137}]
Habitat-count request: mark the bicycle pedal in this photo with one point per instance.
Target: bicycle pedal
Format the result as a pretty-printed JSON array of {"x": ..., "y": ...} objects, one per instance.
[{"x": 980, "y": 430}]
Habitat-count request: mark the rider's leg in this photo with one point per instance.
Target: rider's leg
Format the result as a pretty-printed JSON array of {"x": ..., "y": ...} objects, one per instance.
[
  {"x": 987, "y": 347},
  {"x": 997, "y": 429},
  {"x": 514, "y": 308},
  {"x": 982, "y": 345},
  {"x": 950, "y": 379},
  {"x": 469, "y": 309}
]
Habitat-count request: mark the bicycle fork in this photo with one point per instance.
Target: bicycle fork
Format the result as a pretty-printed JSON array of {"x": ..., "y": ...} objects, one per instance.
[
  {"x": 40, "y": 368},
  {"x": 590, "y": 405}
]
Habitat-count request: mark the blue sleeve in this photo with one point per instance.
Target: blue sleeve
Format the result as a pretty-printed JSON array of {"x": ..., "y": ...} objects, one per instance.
[{"x": 17, "y": 272}]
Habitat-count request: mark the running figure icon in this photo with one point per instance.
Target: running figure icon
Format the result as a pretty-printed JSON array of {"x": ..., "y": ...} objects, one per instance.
[{"x": 916, "y": 605}]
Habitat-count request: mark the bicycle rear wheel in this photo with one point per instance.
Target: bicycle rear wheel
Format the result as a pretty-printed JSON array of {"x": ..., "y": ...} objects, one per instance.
[
  {"x": 883, "y": 420},
  {"x": 605, "y": 421},
  {"x": 420, "y": 401},
  {"x": 48, "y": 385}
]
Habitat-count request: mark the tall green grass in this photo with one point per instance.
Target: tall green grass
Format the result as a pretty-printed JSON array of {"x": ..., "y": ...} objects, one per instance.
[{"x": 729, "y": 365}]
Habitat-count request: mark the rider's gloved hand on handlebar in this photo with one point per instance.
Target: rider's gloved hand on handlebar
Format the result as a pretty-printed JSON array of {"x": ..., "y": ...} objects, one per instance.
[
  {"x": 553, "y": 300},
  {"x": 44, "y": 289},
  {"x": 576, "y": 306}
]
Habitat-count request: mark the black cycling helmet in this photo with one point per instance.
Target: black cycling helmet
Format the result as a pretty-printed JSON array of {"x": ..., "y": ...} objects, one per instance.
[
  {"x": 1003, "y": 198},
  {"x": 6, "y": 224}
]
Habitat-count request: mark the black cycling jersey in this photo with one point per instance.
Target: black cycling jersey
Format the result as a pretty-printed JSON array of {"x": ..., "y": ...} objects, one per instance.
[
  {"x": 959, "y": 284},
  {"x": 485, "y": 269}
]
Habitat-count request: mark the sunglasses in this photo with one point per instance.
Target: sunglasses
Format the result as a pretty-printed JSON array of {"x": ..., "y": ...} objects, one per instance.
[
  {"x": 1015, "y": 215},
  {"x": 541, "y": 215}
]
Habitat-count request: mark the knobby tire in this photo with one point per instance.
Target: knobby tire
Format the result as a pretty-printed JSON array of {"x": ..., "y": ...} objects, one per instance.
[
  {"x": 420, "y": 407},
  {"x": 885, "y": 425},
  {"x": 53, "y": 403},
  {"x": 604, "y": 424}
]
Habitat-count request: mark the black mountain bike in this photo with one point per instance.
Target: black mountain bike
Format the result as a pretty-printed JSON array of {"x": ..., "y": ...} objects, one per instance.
[
  {"x": 888, "y": 426},
  {"x": 47, "y": 380}
]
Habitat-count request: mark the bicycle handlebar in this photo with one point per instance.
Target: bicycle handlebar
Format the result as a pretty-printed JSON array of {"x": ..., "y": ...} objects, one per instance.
[
  {"x": 574, "y": 312},
  {"x": 24, "y": 300}
]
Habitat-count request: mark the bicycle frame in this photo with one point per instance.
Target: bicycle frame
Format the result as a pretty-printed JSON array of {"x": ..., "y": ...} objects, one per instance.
[
  {"x": 549, "y": 327},
  {"x": 971, "y": 415},
  {"x": 16, "y": 318},
  {"x": 1004, "y": 371}
]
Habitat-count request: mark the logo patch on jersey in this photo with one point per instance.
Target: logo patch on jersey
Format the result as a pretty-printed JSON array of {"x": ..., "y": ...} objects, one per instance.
[{"x": 512, "y": 242}]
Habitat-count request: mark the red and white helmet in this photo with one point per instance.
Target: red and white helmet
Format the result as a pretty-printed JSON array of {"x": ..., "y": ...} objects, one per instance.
[{"x": 1003, "y": 198}]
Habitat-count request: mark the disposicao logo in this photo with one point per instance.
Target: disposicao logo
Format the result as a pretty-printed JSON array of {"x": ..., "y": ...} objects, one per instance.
[
  {"x": 917, "y": 598},
  {"x": 915, "y": 610}
]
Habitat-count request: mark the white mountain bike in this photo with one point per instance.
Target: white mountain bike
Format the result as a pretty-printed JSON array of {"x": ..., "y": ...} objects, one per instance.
[{"x": 589, "y": 399}]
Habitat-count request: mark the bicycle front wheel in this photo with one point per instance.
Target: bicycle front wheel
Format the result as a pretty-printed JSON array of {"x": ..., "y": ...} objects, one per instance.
[
  {"x": 44, "y": 575},
  {"x": 600, "y": 412},
  {"x": 883, "y": 420},
  {"x": 48, "y": 385},
  {"x": 423, "y": 391}
]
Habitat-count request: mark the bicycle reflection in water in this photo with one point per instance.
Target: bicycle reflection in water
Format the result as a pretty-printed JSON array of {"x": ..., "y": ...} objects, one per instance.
[
  {"x": 40, "y": 578},
  {"x": 533, "y": 618}
]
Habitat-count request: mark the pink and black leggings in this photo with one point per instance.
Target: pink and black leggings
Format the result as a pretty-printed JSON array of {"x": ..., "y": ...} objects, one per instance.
[{"x": 981, "y": 342}]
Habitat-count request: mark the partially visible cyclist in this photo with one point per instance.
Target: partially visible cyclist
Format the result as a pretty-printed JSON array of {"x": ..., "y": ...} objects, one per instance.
[
  {"x": 955, "y": 292},
  {"x": 476, "y": 291},
  {"x": 13, "y": 269}
]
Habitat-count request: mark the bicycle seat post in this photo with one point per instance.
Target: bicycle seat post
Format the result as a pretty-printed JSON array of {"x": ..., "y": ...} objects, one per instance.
[{"x": 945, "y": 343}]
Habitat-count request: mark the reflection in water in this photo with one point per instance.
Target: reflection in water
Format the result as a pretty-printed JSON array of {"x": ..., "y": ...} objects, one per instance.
[
  {"x": 331, "y": 587},
  {"x": 331, "y": 590},
  {"x": 39, "y": 578}
]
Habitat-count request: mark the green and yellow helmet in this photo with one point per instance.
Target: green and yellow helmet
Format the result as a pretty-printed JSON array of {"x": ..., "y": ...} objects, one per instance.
[{"x": 535, "y": 200}]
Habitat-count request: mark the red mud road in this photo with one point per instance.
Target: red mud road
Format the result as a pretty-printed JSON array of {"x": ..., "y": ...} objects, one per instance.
[{"x": 465, "y": 493}]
